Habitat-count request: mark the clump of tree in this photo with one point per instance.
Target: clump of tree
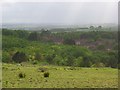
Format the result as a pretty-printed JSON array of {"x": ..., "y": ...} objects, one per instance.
[
  {"x": 19, "y": 57},
  {"x": 34, "y": 36},
  {"x": 15, "y": 33},
  {"x": 69, "y": 41}
]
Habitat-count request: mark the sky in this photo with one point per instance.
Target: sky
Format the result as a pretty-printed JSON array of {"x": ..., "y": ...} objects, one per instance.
[{"x": 60, "y": 12}]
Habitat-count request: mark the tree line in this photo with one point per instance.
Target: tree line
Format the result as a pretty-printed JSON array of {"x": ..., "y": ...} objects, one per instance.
[{"x": 39, "y": 48}]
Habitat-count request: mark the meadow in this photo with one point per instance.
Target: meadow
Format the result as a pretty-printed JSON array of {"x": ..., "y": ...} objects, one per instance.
[
  {"x": 33, "y": 59},
  {"x": 59, "y": 77}
]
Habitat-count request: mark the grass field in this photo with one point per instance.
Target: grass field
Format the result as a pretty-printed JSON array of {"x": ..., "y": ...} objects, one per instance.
[{"x": 59, "y": 77}]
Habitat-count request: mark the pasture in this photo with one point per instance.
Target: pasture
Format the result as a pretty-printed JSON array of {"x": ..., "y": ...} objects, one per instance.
[{"x": 59, "y": 77}]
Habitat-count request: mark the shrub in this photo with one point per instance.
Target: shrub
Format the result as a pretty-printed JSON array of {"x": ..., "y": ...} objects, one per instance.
[
  {"x": 6, "y": 82},
  {"x": 70, "y": 68},
  {"x": 6, "y": 57},
  {"x": 38, "y": 56},
  {"x": 34, "y": 62},
  {"x": 5, "y": 68},
  {"x": 49, "y": 58},
  {"x": 46, "y": 74},
  {"x": 42, "y": 69},
  {"x": 22, "y": 75},
  {"x": 69, "y": 41},
  {"x": 19, "y": 57},
  {"x": 98, "y": 65}
]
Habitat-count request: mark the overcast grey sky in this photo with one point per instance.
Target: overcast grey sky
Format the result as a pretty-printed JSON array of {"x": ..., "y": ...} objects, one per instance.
[{"x": 60, "y": 12}]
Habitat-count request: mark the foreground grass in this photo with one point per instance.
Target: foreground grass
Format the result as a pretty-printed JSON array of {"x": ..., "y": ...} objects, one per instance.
[{"x": 60, "y": 77}]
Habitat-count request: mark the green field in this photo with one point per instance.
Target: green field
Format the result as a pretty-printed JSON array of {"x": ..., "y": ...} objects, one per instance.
[{"x": 59, "y": 77}]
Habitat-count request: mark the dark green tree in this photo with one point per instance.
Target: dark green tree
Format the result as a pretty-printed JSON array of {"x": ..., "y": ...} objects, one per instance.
[
  {"x": 19, "y": 57},
  {"x": 34, "y": 36},
  {"x": 69, "y": 41}
]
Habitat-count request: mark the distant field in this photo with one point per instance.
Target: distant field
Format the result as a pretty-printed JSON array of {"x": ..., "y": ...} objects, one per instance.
[{"x": 60, "y": 77}]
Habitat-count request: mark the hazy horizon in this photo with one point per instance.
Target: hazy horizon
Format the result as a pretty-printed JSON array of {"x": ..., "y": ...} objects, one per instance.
[{"x": 63, "y": 13}]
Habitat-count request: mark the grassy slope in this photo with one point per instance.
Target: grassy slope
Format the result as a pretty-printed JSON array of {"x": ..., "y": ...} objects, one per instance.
[{"x": 59, "y": 78}]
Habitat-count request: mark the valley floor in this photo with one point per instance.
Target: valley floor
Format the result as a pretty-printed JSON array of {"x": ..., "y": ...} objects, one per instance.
[{"x": 59, "y": 77}]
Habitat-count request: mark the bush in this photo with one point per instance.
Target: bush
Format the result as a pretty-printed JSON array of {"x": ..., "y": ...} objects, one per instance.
[
  {"x": 99, "y": 65},
  {"x": 6, "y": 57},
  {"x": 69, "y": 41},
  {"x": 35, "y": 62},
  {"x": 49, "y": 58},
  {"x": 42, "y": 69},
  {"x": 46, "y": 74},
  {"x": 19, "y": 57},
  {"x": 22, "y": 75}
]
